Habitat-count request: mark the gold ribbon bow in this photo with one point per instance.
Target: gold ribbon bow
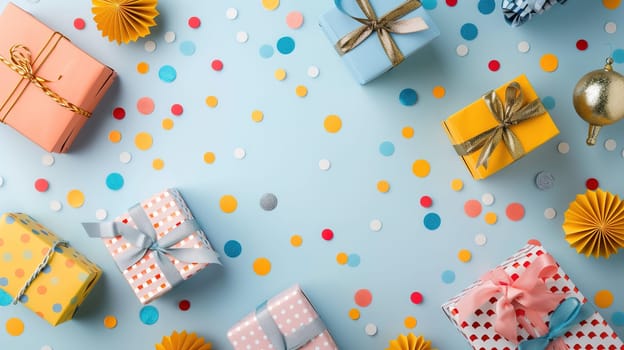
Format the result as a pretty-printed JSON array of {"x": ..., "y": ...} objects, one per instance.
[
  {"x": 388, "y": 23},
  {"x": 513, "y": 112},
  {"x": 21, "y": 63}
]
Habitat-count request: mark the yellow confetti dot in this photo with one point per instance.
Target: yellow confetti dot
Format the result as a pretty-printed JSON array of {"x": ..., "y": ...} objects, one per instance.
[
  {"x": 549, "y": 62},
  {"x": 142, "y": 67},
  {"x": 280, "y": 74},
  {"x": 611, "y": 4},
  {"x": 167, "y": 124},
  {"x": 228, "y": 203},
  {"x": 143, "y": 141},
  {"x": 296, "y": 240},
  {"x": 342, "y": 258},
  {"x": 14, "y": 326},
  {"x": 421, "y": 168},
  {"x": 438, "y": 91},
  {"x": 75, "y": 198},
  {"x": 110, "y": 322},
  {"x": 354, "y": 314},
  {"x": 209, "y": 157},
  {"x": 332, "y": 123},
  {"x": 257, "y": 116},
  {"x": 457, "y": 185},
  {"x": 464, "y": 255},
  {"x": 262, "y": 266},
  {"x": 410, "y": 322},
  {"x": 408, "y": 132},
  {"x": 603, "y": 298},
  {"x": 270, "y": 4},
  {"x": 490, "y": 218},
  {"x": 383, "y": 186},
  {"x": 212, "y": 101},
  {"x": 301, "y": 91},
  {"x": 114, "y": 136},
  {"x": 158, "y": 164}
]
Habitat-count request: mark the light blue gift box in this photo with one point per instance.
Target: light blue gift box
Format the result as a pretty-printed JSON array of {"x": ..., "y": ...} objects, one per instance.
[{"x": 368, "y": 60}]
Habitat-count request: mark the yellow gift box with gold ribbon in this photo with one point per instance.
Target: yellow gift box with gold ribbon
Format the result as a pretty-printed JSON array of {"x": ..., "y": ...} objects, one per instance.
[
  {"x": 502, "y": 126},
  {"x": 42, "y": 271}
]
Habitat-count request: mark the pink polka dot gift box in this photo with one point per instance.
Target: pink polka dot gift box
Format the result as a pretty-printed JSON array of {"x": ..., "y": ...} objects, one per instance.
[
  {"x": 41, "y": 271},
  {"x": 157, "y": 244},
  {"x": 528, "y": 302},
  {"x": 287, "y": 321}
]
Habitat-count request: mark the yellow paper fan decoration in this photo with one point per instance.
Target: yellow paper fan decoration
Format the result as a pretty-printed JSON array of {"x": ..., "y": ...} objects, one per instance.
[
  {"x": 410, "y": 342},
  {"x": 124, "y": 20},
  {"x": 183, "y": 341},
  {"x": 594, "y": 223}
]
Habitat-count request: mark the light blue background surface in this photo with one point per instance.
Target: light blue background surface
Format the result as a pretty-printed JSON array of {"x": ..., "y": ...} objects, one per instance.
[{"x": 283, "y": 152}]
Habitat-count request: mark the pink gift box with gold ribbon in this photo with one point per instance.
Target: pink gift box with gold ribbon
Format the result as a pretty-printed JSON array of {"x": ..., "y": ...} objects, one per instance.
[{"x": 49, "y": 86}]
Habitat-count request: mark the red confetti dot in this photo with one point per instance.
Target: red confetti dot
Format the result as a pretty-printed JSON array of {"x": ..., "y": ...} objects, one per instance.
[
  {"x": 194, "y": 22},
  {"x": 177, "y": 109},
  {"x": 582, "y": 45},
  {"x": 426, "y": 201},
  {"x": 42, "y": 185},
  {"x": 79, "y": 23},
  {"x": 416, "y": 298},
  {"x": 119, "y": 113},
  {"x": 591, "y": 184},
  {"x": 515, "y": 211},
  {"x": 217, "y": 65},
  {"x": 451, "y": 3},
  {"x": 327, "y": 234},
  {"x": 494, "y": 65},
  {"x": 184, "y": 305},
  {"x": 363, "y": 297}
]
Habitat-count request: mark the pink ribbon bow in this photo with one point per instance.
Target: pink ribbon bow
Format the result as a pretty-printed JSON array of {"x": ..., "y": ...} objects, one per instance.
[{"x": 526, "y": 295}]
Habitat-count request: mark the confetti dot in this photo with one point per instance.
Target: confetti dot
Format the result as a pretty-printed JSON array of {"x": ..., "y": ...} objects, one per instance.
[
  {"x": 363, "y": 297},
  {"x": 148, "y": 315},
  {"x": 611, "y": 4},
  {"x": 14, "y": 326},
  {"x": 469, "y": 31},
  {"x": 370, "y": 329},
  {"x": 114, "y": 136},
  {"x": 487, "y": 199},
  {"x": 410, "y": 322},
  {"x": 480, "y": 239},
  {"x": 472, "y": 208},
  {"x": 354, "y": 260},
  {"x": 239, "y": 153},
  {"x": 242, "y": 37},
  {"x": 515, "y": 211},
  {"x": 42, "y": 185},
  {"x": 386, "y": 148},
  {"x": 618, "y": 318},
  {"x": 187, "y": 48},
  {"x": 280, "y": 74},
  {"x": 212, "y": 101},
  {"x": 268, "y": 201},
  {"x": 301, "y": 91},
  {"x": 610, "y": 27},
  {"x": 354, "y": 314},
  {"x": 125, "y": 157},
  {"x": 432, "y": 221},
  {"x": 603, "y": 298},
  {"x": 421, "y": 168},
  {"x": 548, "y": 102},
  {"x": 145, "y": 105},
  {"x": 426, "y": 201},
  {"x": 232, "y": 248},
  {"x": 486, "y": 6},
  {"x": 464, "y": 255},
  {"x": 494, "y": 65},
  {"x": 149, "y": 46},
  {"x": 167, "y": 74},
  {"x": 266, "y": 51},
  {"x": 342, "y": 258},
  {"x": 270, "y": 5},
  {"x": 79, "y": 23},
  {"x": 158, "y": 164},
  {"x": 313, "y": 71},
  {"x": 296, "y": 240},
  {"x": 550, "y": 213},
  {"x": 184, "y": 305},
  {"x": 490, "y": 218},
  {"x": 170, "y": 37},
  {"x": 563, "y": 147},
  {"x": 375, "y": 225},
  {"x": 47, "y": 160},
  {"x": 217, "y": 65},
  {"x": 610, "y": 145},
  {"x": 451, "y": 3},
  {"x": 544, "y": 180},
  {"x": 294, "y": 20},
  {"x": 327, "y": 234},
  {"x": 143, "y": 141},
  {"x": 407, "y": 132},
  {"x": 285, "y": 45},
  {"x": 461, "y": 50},
  {"x": 581, "y": 44},
  {"x": 119, "y": 113},
  {"x": 46, "y": 347},
  {"x": 55, "y": 205},
  {"x": 549, "y": 62},
  {"x": 231, "y": 13},
  {"x": 524, "y": 47},
  {"x": 75, "y": 198},
  {"x": 262, "y": 266},
  {"x": 383, "y": 186},
  {"x": 114, "y": 181},
  {"x": 448, "y": 276},
  {"x": 324, "y": 164},
  {"x": 429, "y": 4},
  {"x": 167, "y": 124},
  {"x": 408, "y": 97},
  {"x": 438, "y": 91},
  {"x": 332, "y": 123},
  {"x": 194, "y": 22},
  {"x": 228, "y": 203},
  {"x": 110, "y": 322},
  {"x": 592, "y": 184},
  {"x": 101, "y": 214},
  {"x": 257, "y": 116},
  {"x": 457, "y": 185},
  {"x": 416, "y": 298}
]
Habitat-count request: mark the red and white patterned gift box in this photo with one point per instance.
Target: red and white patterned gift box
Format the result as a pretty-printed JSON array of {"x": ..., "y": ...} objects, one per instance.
[{"x": 478, "y": 326}]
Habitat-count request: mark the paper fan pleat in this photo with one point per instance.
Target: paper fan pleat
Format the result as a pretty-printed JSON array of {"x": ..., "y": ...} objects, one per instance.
[
  {"x": 124, "y": 20},
  {"x": 183, "y": 341},
  {"x": 409, "y": 342}
]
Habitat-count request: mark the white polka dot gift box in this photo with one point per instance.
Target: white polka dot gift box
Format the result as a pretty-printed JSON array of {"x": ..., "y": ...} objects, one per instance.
[
  {"x": 42, "y": 271},
  {"x": 287, "y": 321},
  {"x": 157, "y": 244},
  {"x": 528, "y": 302}
]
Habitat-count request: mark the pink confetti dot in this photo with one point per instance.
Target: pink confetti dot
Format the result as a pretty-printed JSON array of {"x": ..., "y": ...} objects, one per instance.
[
  {"x": 494, "y": 65},
  {"x": 145, "y": 105},
  {"x": 294, "y": 20},
  {"x": 119, "y": 113},
  {"x": 363, "y": 297},
  {"x": 194, "y": 22},
  {"x": 217, "y": 65},
  {"x": 472, "y": 208},
  {"x": 42, "y": 185},
  {"x": 79, "y": 23},
  {"x": 177, "y": 109},
  {"x": 327, "y": 234},
  {"x": 416, "y": 297}
]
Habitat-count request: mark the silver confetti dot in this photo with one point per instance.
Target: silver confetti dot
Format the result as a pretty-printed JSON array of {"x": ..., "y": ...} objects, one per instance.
[
  {"x": 239, "y": 153},
  {"x": 375, "y": 225},
  {"x": 149, "y": 46},
  {"x": 313, "y": 71},
  {"x": 550, "y": 213},
  {"x": 231, "y": 13},
  {"x": 242, "y": 37},
  {"x": 487, "y": 199},
  {"x": 524, "y": 46},
  {"x": 47, "y": 159},
  {"x": 55, "y": 205},
  {"x": 563, "y": 147},
  {"x": 480, "y": 239},
  {"x": 610, "y": 145},
  {"x": 125, "y": 157},
  {"x": 268, "y": 201},
  {"x": 610, "y": 27},
  {"x": 370, "y": 329},
  {"x": 46, "y": 347},
  {"x": 544, "y": 180},
  {"x": 461, "y": 50},
  {"x": 324, "y": 164},
  {"x": 170, "y": 37}
]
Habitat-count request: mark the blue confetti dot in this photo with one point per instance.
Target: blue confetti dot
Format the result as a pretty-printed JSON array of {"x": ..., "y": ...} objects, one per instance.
[
  {"x": 149, "y": 315},
  {"x": 386, "y": 148},
  {"x": 353, "y": 260},
  {"x": 47, "y": 269},
  {"x": 187, "y": 48},
  {"x": 57, "y": 307},
  {"x": 5, "y": 298},
  {"x": 486, "y": 6},
  {"x": 618, "y": 318},
  {"x": 266, "y": 51},
  {"x": 618, "y": 56},
  {"x": 448, "y": 276},
  {"x": 4, "y": 281},
  {"x": 469, "y": 31},
  {"x": 9, "y": 219},
  {"x": 429, "y": 4},
  {"x": 408, "y": 97},
  {"x": 285, "y": 45},
  {"x": 114, "y": 181},
  {"x": 167, "y": 74},
  {"x": 432, "y": 221},
  {"x": 232, "y": 249},
  {"x": 548, "y": 102}
]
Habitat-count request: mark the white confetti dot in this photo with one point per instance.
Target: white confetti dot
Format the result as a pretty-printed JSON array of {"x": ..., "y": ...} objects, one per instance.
[
  {"x": 324, "y": 164},
  {"x": 487, "y": 199},
  {"x": 55, "y": 205},
  {"x": 239, "y": 153},
  {"x": 1, "y": 181},
  {"x": 46, "y": 347},
  {"x": 370, "y": 329},
  {"x": 313, "y": 71},
  {"x": 480, "y": 239},
  {"x": 47, "y": 160},
  {"x": 550, "y": 213},
  {"x": 242, "y": 37},
  {"x": 231, "y": 13},
  {"x": 170, "y": 37},
  {"x": 563, "y": 147},
  {"x": 125, "y": 157},
  {"x": 524, "y": 46},
  {"x": 101, "y": 214},
  {"x": 610, "y": 145},
  {"x": 610, "y": 27},
  {"x": 150, "y": 46},
  {"x": 375, "y": 225},
  {"x": 461, "y": 50}
]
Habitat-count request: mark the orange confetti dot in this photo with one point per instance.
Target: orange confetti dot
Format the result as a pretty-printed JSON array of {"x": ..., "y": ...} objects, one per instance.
[
  {"x": 212, "y": 101},
  {"x": 209, "y": 157},
  {"x": 296, "y": 240},
  {"x": 383, "y": 186},
  {"x": 342, "y": 258},
  {"x": 110, "y": 322},
  {"x": 158, "y": 164},
  {"x": 549, "y": 62},
  {"x": 457, "y": 185},
  {"x": 280, "y": 74},
  {"x": 143, "y": 141},
  {"x": 301, "y": 91},
  {"x": 228, "y": 203},
  {"x": 114, "y": 136},
  {"x": 421, "y": 168},
  {"x": 332, "y": 123},
  {"x": 257, "y": 116},
  {"x": 262, "y": 266},
  {"x": 14, "y": 326},
  {"x": 611, "y": 4},
  {"x": 410, "y": 322},
  {"x": 464, "y": 255},
  {"x": 603, "y": 298},
  {"x": 407, "y": 132},
  {"x": 167, "y": 124},
  {"x": 75, "y": 198},
  {"x": 354, "y": 314},
  {"x": 142, "y": 67},
  {"x": 439, "y": 91},
  {"x": 490, "y": 218}
]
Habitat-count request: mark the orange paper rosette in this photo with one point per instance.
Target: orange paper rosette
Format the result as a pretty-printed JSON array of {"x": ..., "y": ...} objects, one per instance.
[
  {"x": 124, "y": 20},
  {"x": 183, "y": 341},
  {"x": 409, "y": 342}
]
